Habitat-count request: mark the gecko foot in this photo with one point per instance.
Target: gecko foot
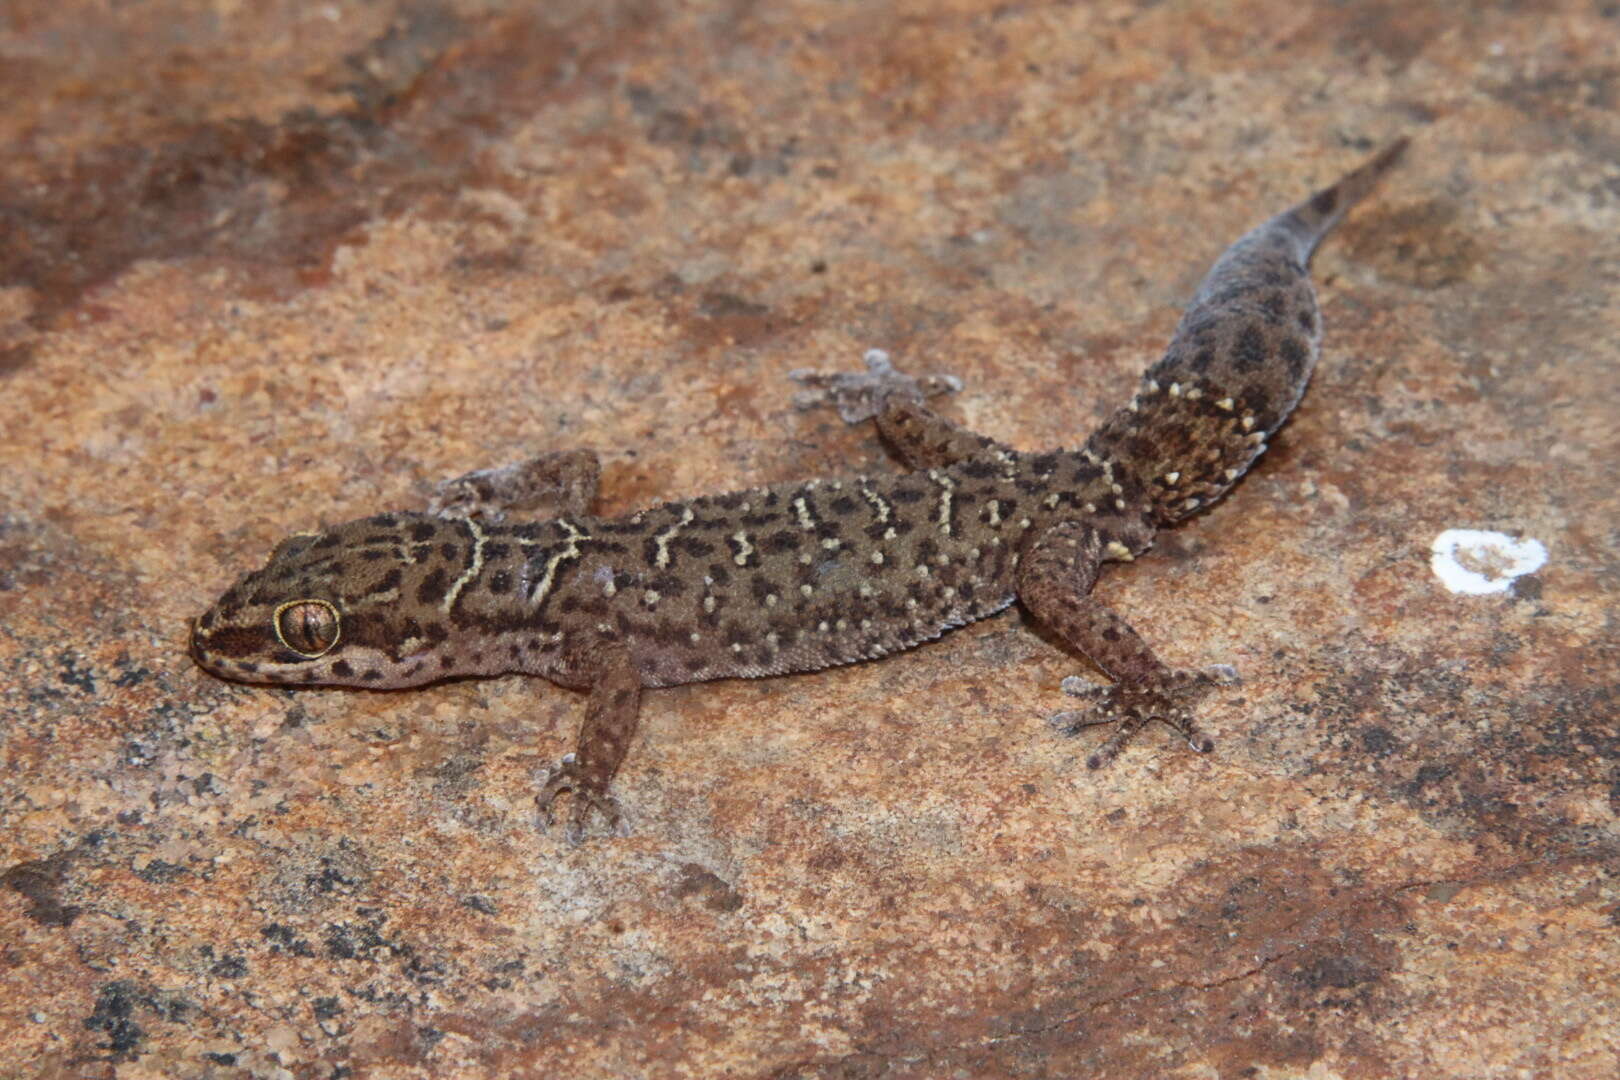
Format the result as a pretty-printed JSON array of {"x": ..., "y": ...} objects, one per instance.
[
  {"x": 556, "y": 482},
  {"x": 568, "y": 777},
  {"x": 1132, "y": 705},
  {"x": 860, "y": 395}
]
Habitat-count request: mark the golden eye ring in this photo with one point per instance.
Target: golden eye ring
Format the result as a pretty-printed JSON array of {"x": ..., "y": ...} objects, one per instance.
[{"x": 310, "y": 628}]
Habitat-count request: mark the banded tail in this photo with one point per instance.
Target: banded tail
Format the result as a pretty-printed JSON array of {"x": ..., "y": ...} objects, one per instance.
[{"x": 1240, "y": 358}]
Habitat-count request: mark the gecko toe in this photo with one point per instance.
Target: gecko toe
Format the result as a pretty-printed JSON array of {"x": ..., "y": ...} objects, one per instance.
[
  {"x": 586, "y": 798},
  {"x": 1131, "y": 706}
]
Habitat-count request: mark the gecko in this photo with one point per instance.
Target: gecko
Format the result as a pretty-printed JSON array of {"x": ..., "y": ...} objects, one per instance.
[{"x": 797, "y": 577}]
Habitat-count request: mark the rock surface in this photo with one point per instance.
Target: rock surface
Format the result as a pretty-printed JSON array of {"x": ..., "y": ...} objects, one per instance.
[{"x": 265, "y": 266}]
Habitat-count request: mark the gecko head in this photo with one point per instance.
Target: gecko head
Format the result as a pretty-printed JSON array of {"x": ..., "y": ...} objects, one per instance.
[{"x": 356, "y": 605}]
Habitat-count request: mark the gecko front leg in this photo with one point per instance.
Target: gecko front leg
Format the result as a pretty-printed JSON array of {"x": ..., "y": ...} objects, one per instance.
[
  {"x": 553, "y": 484},
  {"x": 1054, "y": 582},
  {"x": 611, "y": 716}
]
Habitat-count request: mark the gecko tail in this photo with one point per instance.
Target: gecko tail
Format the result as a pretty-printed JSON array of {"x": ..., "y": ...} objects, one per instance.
[{"x": 1314, "y": 218}]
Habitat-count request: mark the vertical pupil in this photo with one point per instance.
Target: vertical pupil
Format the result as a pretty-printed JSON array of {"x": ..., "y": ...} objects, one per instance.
[{"x": 309, "y": 627}]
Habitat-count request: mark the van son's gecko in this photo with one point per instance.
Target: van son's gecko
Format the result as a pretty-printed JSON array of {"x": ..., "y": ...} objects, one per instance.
[{"x": 803, "y": 576}]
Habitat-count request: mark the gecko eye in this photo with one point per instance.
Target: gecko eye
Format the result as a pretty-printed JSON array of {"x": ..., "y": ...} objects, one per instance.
[{"x": 307, "y": 627}]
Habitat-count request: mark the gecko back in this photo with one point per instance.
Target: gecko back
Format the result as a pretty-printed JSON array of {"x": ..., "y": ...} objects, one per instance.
[{"x": 1239, "y": 360}]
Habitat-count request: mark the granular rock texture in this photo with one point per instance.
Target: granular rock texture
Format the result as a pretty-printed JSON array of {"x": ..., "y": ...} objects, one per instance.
[{"x": 268, "y": 267}]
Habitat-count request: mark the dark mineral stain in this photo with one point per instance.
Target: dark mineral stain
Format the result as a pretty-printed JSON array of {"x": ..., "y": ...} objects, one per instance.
[
  {"x": 40, "y": 881},
  {"x": 114, "y": 1015},
  {"x": 716, "y": 894},
  {"x": 278, "y": 199},
  {"x": 115, "y": 1007}
]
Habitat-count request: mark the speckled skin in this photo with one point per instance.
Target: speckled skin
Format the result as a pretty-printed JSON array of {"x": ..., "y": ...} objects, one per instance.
[{"x": 804, "y": 576}]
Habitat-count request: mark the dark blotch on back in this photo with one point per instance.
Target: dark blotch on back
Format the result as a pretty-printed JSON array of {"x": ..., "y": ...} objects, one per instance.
[
  {"x": 1249, "y": 350},
  {"x": 433, "y": 588},
  {"x": 1296, "y": 356}
]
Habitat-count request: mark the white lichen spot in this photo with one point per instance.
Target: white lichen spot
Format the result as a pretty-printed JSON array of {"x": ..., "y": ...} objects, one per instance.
[{"x": 1478, "y": 562}]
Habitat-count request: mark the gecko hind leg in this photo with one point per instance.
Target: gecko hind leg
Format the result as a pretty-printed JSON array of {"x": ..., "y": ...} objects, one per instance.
[
  {"x": 553, "y": 484},
  {"x": 1054, "y": 582},
  {"x": 920, "y": 437},
  {"x": 861, "y": 395},
  {"x": 1132, "y": 707}
]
